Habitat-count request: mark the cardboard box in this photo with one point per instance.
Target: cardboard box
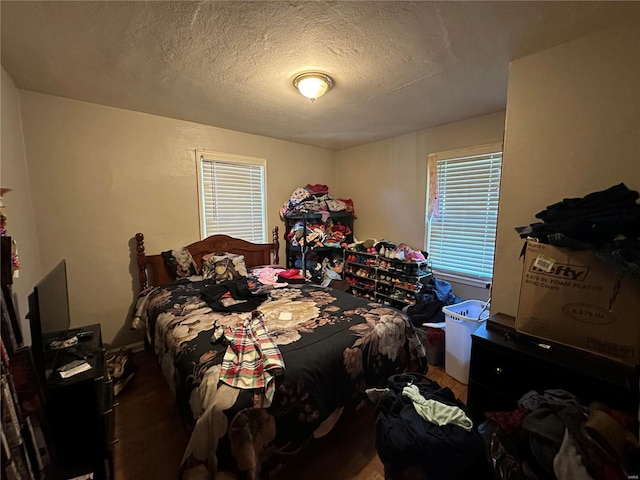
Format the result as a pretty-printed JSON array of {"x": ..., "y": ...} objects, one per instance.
[{"x": 573, "y": 298}]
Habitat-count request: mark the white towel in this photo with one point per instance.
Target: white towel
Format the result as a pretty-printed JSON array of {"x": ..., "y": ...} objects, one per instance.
[{"x": 437, "y": 412}]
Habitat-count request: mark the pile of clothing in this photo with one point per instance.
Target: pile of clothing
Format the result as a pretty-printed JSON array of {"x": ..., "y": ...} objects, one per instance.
[
  {"x": 232, "y": 296},
  {"x": 325, "y": 270},
  {"x": 319, "y": 234},
  {"x": 424, "y": 433},
  {"x": 607, "y": 221},
  {"x": 553, "y": 435},
  {"x": 433, "y": 295},
  {"x": 315, "y": 199}
]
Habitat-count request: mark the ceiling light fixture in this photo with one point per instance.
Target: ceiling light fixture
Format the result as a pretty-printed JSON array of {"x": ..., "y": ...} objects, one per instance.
[{"x": 313, "y": 84}]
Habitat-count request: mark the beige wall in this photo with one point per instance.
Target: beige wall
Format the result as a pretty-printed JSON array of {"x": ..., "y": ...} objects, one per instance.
[
  {"x": 100, "y": 174},
  {"x": 18, "y": 206},
  {"x": 572, "y": 127},
  {"x": 387, "y": 180}
]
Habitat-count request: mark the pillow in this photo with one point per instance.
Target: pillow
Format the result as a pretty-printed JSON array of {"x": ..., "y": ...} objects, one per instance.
[
  {"x": 180, "y": 263},
  {"x": 223, "y": 266}
]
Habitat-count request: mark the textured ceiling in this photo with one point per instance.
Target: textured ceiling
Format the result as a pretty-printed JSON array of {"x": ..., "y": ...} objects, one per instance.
[{"x": 398, "y": 66}]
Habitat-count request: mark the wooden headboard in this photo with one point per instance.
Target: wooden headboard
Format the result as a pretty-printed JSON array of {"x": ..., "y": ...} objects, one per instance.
[{"x": 153, "y": 271}]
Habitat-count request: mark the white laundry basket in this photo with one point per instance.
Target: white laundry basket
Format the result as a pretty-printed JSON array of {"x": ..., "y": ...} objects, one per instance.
[{"x": 461, "y": 320}]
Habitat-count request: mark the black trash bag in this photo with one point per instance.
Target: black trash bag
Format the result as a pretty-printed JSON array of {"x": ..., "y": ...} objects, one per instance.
[{"x": 433, "y": 295}]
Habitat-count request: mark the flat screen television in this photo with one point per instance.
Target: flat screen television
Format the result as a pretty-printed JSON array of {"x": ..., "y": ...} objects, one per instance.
[{"x": 48, "y": 312}]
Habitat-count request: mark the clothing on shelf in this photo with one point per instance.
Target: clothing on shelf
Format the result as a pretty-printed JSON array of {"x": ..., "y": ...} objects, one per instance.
[
  {"x": 314, "y": 199},
  {"x": 316, "y": 225}
]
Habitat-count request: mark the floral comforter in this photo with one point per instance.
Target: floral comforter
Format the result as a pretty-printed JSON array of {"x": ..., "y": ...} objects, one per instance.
[{"x": 334, "y": 346}]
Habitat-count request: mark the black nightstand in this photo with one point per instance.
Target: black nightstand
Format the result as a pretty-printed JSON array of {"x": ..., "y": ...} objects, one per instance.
[
  {"x": 505, "y": 365},
  {"x": 80, "y": 411}
]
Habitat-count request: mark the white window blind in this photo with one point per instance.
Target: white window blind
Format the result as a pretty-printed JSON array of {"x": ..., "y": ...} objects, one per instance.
[
  {"x": 232, "y": 196},
  {"x": 462, "y": 228}
]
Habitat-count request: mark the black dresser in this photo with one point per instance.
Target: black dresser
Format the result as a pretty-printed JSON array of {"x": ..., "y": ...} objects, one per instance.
[
  {"x": 80, "y": 411},
  {"x": 505, "y": 365}
]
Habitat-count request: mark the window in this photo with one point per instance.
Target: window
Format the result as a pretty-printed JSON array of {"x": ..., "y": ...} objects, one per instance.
[
  {"x": 463, "y": 211},
  {"x": 232, "y": 196}
]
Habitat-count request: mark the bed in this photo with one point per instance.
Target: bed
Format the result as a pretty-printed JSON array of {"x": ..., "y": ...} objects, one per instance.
[{"x": 315, "y": 351}]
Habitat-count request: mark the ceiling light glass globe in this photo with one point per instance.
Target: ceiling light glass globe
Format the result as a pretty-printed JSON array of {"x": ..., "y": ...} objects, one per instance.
[{"x": 313, "y": 85}]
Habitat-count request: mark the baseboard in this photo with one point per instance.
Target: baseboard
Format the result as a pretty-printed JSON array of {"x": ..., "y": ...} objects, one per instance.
[{"x": 134, "y": 347}]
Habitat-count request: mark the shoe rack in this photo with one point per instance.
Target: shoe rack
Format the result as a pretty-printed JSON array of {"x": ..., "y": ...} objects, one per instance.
[{"x": 388, "y": 281}]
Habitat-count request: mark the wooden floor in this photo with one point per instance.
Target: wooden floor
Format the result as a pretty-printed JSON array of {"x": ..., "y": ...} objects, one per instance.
[{"x": 152, "y": 439}]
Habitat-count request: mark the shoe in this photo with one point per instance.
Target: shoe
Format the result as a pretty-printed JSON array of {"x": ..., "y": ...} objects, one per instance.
[
  {"x": 127, "y": 377},
  {"x": 376, "y": 394},
  {"x": 116, "y": 362}
]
